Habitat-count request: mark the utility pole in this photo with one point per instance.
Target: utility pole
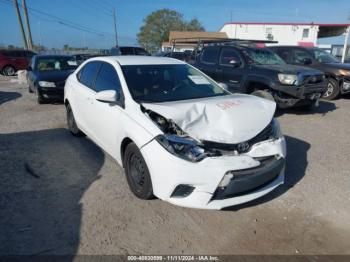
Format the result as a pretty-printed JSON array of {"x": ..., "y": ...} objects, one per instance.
[
  {"x": 115, "y": 28},
  {"x": 20, "y": 24},
  {"x": 29, "y": 33}
]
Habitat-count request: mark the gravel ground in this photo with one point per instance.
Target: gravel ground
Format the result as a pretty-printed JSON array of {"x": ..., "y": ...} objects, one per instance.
[{"x": 63, "y": 195}]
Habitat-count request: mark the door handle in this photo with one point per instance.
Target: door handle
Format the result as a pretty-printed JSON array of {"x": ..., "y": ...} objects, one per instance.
[{"x": 218, "y": 70}]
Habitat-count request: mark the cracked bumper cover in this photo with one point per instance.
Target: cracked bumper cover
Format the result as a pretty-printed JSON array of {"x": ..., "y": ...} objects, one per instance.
[{"x": 168, "y": 172}]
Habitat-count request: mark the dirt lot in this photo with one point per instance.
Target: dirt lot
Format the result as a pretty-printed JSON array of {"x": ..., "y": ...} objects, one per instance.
[{"x": 63, "y": 195}]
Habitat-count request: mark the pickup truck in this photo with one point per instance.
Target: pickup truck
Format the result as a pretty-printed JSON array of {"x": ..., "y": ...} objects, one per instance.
[{"x": 261, "y": 72}]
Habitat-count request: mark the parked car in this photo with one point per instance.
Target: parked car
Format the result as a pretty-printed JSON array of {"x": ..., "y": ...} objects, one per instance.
[
  {"x": 183, "y": 56},
  {"x": 338, "y": 74},
  {"x": 261, "y": 72},
  {"x": 14, "y": 60},
  {"x": 129, "y": 50},
  {"x": 176, "y": 132},
  {"x": 80, "y": 58},
  {"x": 47, "y": 75}
]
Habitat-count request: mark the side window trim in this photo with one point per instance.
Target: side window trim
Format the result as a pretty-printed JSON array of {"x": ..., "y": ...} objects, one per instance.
[
  {"x": 120, "y": 102},
  {"x": 92, "y": 88},
  {"x": 236, "y": 52}
]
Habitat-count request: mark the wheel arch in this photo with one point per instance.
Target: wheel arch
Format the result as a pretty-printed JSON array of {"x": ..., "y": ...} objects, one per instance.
[{"x": 125, "y": 142}]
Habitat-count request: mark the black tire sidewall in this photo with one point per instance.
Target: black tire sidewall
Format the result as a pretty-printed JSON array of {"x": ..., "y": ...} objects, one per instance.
[
  {"x": 336, "y": 89},
  {"x": 146, "y": 192},
  {"x": 71, "y": 123},
  {"x": 8, "y": 66}
]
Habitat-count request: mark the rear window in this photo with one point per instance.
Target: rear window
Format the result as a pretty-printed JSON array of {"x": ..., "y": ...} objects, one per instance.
[
  {"x": 210, "y": 55},
  {"x": 55, "y": 63}
]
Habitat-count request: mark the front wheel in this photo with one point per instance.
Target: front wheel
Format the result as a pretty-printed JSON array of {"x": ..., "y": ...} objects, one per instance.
[
  {"x": 333, "y": 90},
  {"x": 137, "y": 173},
  {"x": 263, "y": 94}
]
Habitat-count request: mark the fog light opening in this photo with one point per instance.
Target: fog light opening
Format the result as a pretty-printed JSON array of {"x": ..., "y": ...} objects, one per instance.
[
  {"x": 182, "y": 191},
  {"x": 226, "y": 179}
]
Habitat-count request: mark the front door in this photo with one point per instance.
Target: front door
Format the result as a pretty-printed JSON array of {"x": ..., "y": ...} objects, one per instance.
[
  {"x": 106, "y": 125},
  {"x": 231, "y": 69}
]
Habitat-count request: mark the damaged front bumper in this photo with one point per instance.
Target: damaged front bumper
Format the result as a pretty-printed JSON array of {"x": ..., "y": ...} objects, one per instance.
[
  {"x": 200, "y": 185},
  {"x": 289, "y": 96}
]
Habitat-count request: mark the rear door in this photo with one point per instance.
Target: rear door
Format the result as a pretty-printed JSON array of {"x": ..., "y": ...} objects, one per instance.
[
  {"x": 84, "y": 97},
  {"x": 208, "y": 62},
  {"x": 107, "y": 125},
  {"x": 231, "y": 68}
]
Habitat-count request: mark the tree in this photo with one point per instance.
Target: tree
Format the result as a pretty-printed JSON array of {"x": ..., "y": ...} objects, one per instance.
[{"x": 158, "y": 24}]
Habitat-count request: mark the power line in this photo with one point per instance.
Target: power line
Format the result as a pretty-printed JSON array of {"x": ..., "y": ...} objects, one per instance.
[{"x": 63, "y": 20}]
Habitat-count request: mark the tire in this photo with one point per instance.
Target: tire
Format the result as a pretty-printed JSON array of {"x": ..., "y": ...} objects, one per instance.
[
  {"x": 333, "y": 90},
  {"x": 137, "y": 173},
  {"x": 263, "y": 94},
  {"x": 72, "y": 125},
  {"x": 9, "y": 70},
  {"x": 39, "y": 98}
]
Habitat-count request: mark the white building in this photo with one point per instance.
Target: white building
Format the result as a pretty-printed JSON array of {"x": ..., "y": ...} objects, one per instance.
[{"x": 303, "y": 34}]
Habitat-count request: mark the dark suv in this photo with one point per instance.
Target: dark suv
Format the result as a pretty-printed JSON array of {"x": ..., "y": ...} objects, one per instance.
[
  {"x": 129, "y": 50},
  {"x": 13, "y": 60},
  {"x": 338, "y": 74},
  {"x": 261, "y": 72}
]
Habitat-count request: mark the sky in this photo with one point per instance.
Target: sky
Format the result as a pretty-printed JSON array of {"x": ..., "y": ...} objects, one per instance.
[{"x": 94, "y": 16}]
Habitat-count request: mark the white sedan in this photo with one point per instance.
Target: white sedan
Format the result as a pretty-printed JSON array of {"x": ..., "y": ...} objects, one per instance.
[{"x": 179, "y": 135}]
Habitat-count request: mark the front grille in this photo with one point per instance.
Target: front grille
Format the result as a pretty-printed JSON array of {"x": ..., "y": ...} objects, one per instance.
[
  {"x": 312, "y": 79},
  {"x": 250, "y": 180},
  {"x": 242, "y": 147}
]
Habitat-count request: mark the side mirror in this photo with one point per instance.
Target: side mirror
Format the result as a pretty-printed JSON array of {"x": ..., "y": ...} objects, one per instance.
[
  {"x": 223, "y": 86},
  {"x": 235, "y": 63},
  {"x": 107, "y": 96},
  {"x": 307, "y": 61}
]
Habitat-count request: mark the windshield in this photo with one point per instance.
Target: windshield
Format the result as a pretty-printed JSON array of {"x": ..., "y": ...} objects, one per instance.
[
  {"x": 56, "y": 63},
  {"x": 324, "y": 57},
  {"x": 163, "y": 83},
  {"x": 263, "y": 57}
]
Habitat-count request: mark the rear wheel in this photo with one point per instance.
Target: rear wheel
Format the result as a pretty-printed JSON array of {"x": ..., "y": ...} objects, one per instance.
[
  {"x": 263, "y": 94},
  {"x": 333, "y": 90},
  {"x": 8, "y": 70},
  {"x": 72, "y": 125},
  {"x": 137, "y": 173}
]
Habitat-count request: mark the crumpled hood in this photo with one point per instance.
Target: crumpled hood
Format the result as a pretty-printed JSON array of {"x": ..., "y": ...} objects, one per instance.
[{"x": 226, "y": 119}]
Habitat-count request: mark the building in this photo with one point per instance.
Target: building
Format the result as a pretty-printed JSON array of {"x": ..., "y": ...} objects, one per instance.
[
  {"x": 303, "y": 34},
  {"x": 189, "y": 36}
]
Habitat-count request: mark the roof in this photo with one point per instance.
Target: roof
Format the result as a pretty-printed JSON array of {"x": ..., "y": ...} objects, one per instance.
[
  {"x": 196, "y": 34},
  {"x": 286, "y": 23},
  {"x": 138, "y": 60},
  {"x": 325, "y": 30}
]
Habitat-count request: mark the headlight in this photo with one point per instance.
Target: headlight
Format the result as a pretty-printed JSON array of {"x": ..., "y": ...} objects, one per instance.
[
  {"x": 46, "y": 84},
  {"x": 287, "y": 79},
  {"x": 185, "y": 148},
  {"x": 344, "y": 72},
  {"x": 276, "y": 129}
]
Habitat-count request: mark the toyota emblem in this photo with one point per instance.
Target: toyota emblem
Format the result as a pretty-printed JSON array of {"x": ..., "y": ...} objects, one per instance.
[{"x": 243, "y": 147}]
